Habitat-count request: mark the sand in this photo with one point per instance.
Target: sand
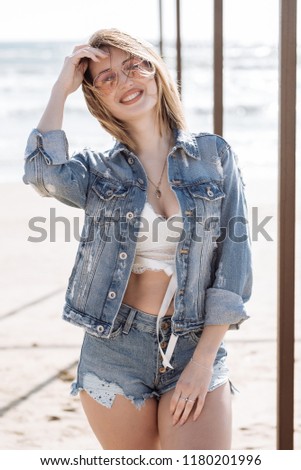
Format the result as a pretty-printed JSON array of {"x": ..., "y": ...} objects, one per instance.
[{"x": 39, "y": 351}]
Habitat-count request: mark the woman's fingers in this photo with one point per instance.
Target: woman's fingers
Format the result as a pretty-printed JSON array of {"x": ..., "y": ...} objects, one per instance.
[
  {"x": 76, "y": 64},
  {"x": 187, "y": 410},
  {"x": 174, "y": 401},
  {"x": 86, "y": 51},
  {"x": 178, "y": 411},
  {"x": 184, "y": 407}
]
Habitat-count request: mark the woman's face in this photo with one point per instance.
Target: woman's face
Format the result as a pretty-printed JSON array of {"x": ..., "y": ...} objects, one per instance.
[{"x": 132, "y": 97}]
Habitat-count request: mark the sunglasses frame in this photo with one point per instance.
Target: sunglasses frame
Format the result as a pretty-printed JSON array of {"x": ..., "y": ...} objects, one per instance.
[{"x": 112, "y": 85}]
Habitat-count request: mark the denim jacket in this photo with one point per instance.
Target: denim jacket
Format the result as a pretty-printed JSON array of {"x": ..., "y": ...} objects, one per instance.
[{"x": 213, "y": 256}]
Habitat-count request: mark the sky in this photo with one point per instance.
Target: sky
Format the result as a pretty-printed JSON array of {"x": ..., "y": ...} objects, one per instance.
[{"x": 246, "y": 21}]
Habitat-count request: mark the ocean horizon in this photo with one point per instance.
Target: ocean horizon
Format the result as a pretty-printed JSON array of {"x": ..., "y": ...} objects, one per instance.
[{"x": 29, "y": 70}]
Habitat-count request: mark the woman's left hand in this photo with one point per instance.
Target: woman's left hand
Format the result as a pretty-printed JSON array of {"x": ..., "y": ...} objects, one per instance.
[{"x": 192, "y": 384}]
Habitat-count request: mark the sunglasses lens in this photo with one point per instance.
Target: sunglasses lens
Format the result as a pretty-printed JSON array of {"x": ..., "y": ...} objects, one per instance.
[
  {"x": 135, "y": 67},
  {"x": 106, "y": 80},
  {"x": 139, "y": 68}
]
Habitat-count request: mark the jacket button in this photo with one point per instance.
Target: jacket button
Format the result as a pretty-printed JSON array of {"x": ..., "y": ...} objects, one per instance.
[
  {"x": 131, "y": 160},
  {"x": 112, "y": 294},
  {"x": 188, "y": 212},
  {"x": 164, "y": 326},
  {"x": 123, "y": 255},
  {"x": 181, "y": 291},
  {"x": 162, "y": 370},
  {"x": 129, "y": 215},
  {"x": 184, "y": 251},
  {"x": 209, "y": 192},
  {"x": 100, "y": 328},
  {"x": 109, "y": 192},
  {"x": 163, "y": 344}
]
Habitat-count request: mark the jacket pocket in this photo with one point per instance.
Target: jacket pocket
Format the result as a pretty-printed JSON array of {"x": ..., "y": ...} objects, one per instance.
[
  {"x": 209, "y": 190},
  {"x": 106, "y": 194},
  {"x": 208, "y": 197},
  {"x": 109, "y": 189}
]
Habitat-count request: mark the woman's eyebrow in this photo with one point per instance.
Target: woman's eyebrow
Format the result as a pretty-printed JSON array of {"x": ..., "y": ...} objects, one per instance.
[
  {"x": 105, "y": 70},
  {"x": 109, "y": 68}
]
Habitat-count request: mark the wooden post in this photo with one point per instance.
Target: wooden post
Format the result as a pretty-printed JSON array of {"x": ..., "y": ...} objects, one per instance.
[
  {"x": 286, "y": 225},
  {"x": 161, "y": 28},
  {"x": 179, "y": 58},
  {"x": 218, "y": 68}
]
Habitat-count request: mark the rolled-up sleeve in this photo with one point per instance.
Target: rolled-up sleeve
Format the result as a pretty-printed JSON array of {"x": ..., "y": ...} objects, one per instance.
[
  {"x": 51, "y": 172},
  {"x": 232, "y": 285}
]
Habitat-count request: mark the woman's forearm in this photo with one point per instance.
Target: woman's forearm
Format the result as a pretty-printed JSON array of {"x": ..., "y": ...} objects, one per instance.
[
  {"x": 52, "y": 118},
  {"x": 209, "y": 343}
]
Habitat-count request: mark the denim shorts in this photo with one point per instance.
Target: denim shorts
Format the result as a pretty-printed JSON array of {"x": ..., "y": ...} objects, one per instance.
[{"x": 129, "y": 362}]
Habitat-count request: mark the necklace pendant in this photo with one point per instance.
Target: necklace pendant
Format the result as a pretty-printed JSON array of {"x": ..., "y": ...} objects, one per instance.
[{"x": 158, "y": 193}]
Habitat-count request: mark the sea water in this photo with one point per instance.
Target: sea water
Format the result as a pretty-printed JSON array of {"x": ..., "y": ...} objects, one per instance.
[{"x": 29, "y": 69}]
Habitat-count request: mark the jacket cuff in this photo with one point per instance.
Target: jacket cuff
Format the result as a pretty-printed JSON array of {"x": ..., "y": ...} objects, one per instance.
[
  {"x": 53, "y": 145},
  {"x": 224, "y": 307}
]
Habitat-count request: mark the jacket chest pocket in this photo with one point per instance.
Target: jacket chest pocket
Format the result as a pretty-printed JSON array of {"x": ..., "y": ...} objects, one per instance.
[
  {"x": 106, "y": 195},
  {"x": 207, "y": 197}
]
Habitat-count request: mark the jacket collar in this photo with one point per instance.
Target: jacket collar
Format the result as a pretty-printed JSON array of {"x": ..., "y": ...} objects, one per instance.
[{"x": 183, "y": 140}]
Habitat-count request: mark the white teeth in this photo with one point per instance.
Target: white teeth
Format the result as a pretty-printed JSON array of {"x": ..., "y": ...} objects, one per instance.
[{"x": 132, "y": 96}]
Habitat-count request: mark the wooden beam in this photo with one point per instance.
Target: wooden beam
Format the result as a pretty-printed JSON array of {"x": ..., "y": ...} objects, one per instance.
[
  {"x": 178, "y": 45},
  {"x": 286, "y": 225},
  {"x": 218, "y": 68},
  {"x": 161, "y": 28}
]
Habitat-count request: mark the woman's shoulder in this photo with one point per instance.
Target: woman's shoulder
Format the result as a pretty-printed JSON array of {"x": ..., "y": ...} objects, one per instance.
[
  {"x": 208, "y": 140},
  {"x": 96, "y": 159}
]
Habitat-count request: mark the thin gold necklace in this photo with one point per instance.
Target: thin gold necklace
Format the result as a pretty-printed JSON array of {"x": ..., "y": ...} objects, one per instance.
[{"x": 157, "y": 192}]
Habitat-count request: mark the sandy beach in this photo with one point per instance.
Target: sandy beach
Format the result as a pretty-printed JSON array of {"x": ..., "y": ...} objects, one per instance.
[{"x": 39, "y": 351}]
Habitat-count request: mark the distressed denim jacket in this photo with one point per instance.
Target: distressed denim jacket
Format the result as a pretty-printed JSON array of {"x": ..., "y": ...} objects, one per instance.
[{"x": 213, "y": 257}]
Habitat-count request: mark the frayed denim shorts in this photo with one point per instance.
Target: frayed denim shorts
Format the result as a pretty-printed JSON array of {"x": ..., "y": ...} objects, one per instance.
[{"x": 129, "y": 362}]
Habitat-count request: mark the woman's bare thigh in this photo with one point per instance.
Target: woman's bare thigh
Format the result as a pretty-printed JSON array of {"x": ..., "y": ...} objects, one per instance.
[
  {"x": 123, "y": 426},
  {"x": 212, "y": 430}
]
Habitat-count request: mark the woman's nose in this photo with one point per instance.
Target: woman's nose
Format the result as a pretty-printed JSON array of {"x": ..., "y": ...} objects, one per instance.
[{"x": 123, "y": 78}]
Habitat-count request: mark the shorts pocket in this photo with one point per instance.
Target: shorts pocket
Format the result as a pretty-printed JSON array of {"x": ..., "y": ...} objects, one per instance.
[
  {"x": 194, "y": 336},
  {"x": 116, "y": 331}
]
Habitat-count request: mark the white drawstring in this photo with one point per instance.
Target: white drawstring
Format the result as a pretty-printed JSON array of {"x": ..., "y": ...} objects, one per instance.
[{"x": 163, "y": 309}]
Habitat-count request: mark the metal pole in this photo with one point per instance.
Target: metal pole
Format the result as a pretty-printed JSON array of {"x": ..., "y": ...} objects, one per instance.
[
  {"x": 161, "y": 28},
  {"x": 286, "y": 225},
  {"x": 218, "y": 68},
  {"x": 179, "y": 58}
]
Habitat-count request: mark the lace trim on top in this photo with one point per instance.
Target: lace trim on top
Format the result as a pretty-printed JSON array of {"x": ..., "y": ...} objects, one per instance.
[
  {"x": 139, "y": 269},
  {"x": 157, "y": 242}
]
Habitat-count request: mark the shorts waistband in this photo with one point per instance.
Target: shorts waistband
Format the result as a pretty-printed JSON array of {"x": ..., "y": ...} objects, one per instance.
[{"x": 140, "y": 318}]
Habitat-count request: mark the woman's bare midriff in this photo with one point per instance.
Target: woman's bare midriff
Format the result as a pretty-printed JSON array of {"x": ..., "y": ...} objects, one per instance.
[{"x": 146, "y": 291}]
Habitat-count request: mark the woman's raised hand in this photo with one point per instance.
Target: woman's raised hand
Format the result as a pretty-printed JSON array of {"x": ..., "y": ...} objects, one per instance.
[
  {"x": 75, "y": 66},
  {"x": 68, "y": 81}
]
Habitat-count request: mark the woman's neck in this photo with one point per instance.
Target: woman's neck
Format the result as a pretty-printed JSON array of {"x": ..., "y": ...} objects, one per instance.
[{"x": 150, "y": 145}]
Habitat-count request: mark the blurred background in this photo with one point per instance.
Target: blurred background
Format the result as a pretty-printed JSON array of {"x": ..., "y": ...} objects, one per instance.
[{"x": 40, "y": 351}]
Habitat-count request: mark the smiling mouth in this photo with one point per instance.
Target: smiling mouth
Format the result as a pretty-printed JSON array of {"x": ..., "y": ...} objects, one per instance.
[{"x": 131, "y": 97}]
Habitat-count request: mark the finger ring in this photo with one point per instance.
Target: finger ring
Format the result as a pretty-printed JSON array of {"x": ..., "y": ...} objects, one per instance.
[{"x": 187, "y": 399}]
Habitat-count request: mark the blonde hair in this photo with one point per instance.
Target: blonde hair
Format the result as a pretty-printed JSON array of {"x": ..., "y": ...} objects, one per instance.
[{"x": 169, "y": 110}]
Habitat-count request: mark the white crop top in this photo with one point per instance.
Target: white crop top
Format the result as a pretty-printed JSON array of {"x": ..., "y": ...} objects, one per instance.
[
  {"x": 156, "y": 248},
  {"x": 157, "y": 241}
]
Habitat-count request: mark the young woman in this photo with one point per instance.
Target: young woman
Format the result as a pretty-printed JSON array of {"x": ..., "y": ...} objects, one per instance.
[{"x": 163, "y": 268}]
